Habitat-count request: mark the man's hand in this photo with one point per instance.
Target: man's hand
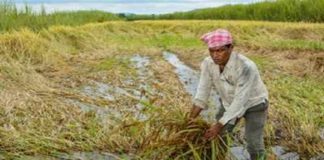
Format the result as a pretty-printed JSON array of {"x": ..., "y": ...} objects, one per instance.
[
  {"x": 213, "y": 131},
  {"x": 195, "y": 111},
  {"x": 192, "y": 115}
]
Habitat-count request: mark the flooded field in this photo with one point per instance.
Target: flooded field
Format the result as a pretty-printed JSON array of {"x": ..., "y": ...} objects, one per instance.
[
  {"x": 122, "y": 90},
  {"x": 138, "y": 91}
]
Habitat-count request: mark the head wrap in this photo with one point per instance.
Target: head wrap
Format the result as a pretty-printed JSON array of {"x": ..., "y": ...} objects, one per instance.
[{"x": 217, "y": 38}]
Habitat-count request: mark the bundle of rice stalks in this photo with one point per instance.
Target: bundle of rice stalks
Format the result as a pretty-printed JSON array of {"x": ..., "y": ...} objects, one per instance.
[
  {"x": 170, "y": 135},
  {"x": 191, "y": 144}
]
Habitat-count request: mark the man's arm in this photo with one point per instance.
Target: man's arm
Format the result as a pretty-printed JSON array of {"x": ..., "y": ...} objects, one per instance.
[{"x": 203, "y": 91}]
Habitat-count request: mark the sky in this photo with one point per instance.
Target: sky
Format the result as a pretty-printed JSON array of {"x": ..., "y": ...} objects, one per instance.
[{"x": 128, "y": 6}]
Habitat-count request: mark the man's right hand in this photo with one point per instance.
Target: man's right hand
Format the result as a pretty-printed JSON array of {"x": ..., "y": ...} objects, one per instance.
[{"x": 195, "y": 111}]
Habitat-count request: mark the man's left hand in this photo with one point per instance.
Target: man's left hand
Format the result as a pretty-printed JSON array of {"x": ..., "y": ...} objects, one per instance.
[{"x": 213, "y": 131}]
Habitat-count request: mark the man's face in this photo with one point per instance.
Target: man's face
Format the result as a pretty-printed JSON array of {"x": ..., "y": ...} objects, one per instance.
[{"x": 221, "y": 55}]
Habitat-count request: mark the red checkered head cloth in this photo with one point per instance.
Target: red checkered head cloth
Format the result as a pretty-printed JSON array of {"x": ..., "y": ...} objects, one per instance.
[{"x": 217, "y": 38}]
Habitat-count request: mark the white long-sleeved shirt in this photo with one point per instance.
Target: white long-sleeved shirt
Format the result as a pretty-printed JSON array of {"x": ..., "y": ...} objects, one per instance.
[{"x": 239, "y": 86}]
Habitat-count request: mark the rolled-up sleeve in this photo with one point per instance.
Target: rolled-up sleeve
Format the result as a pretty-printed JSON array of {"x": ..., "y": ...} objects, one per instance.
[
  {"x": 204, "y": 86},
  {"x": 241, "y": 96}
]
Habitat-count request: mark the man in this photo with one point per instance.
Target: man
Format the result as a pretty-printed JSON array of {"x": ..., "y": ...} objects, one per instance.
[{"x": 242, "y": 93}]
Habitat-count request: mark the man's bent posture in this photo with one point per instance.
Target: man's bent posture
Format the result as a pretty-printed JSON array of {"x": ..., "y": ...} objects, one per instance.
[{"x": 242, "y": 93}]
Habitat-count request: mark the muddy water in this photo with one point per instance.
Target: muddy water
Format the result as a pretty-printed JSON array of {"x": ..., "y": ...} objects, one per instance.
[
  {"x": 321, "y": 133},
  {"x": 141, "y": 63},
  {"x": 283, "y": 154},
  {"x": 108, "y": 92},
  {"x": 190, "y": 79},
  {"x": 102, "y": 113},
  {"x": 90, "y": 156},
  {"x": 75, "y": 156},
  {"x": 113, "y": 93}
]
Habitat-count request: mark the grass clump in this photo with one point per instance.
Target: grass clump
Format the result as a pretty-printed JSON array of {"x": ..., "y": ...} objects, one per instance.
[{"x": 13, "y": 19}]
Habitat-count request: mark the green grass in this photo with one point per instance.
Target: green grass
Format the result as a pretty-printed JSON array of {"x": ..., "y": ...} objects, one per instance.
[
  {"x": 298, "y": 44},
  {"x": 263, "y": 62},
  {"x": 122, "y": 65},
  {"x": 174, "y": 40},
  {"x": 12, "y": 19},
  {"x": 301, "y": 100},
  {"x": 280, "y": 10}
]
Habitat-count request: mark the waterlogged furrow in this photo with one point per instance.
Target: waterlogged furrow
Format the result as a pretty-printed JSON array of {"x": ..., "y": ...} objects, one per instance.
[
  {"x": 107, "y": 115},
  {"x": 190, "y": 79},
  {"x": 138, "y": 91}
]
